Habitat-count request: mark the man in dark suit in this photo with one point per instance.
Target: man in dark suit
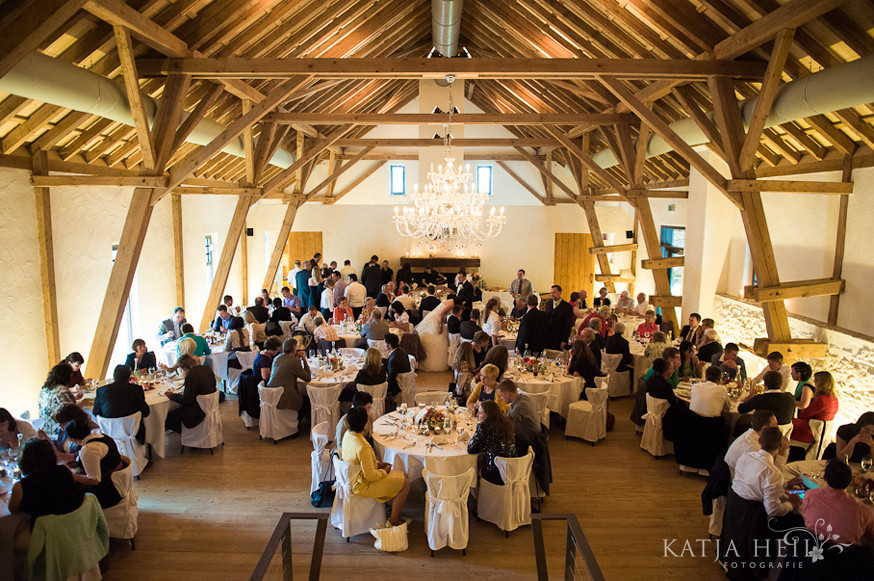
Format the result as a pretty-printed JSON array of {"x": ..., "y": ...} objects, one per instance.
[
  {"x": 532, "y": 329},
  {"x": 398, "y": 362},
  {"x": 560, "y": 319},
  {"x": 302, "y": 285},
  {"x": 371, "y": 277},
  {"x": 259, "y": 311},
  {"x": 171, "y": 329},
  {"x": 122, "y": 398},
  {"x": 429, "y": 303},
  {"x": 617, "y": 344},
  {"x": 199, "y": 380},
  {"x": 690, "y": 331},
  {"x": 464, "y": 290}
]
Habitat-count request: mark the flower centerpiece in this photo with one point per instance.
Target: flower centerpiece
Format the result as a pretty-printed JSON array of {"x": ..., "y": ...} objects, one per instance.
[
  {"x": 533, "y": 365},
  {"x": 477, "y": 280},
  {"x": 431, "y": 417}
]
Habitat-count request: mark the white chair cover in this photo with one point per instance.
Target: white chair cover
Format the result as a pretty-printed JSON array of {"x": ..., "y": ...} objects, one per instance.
[
  {"x": 351, "y": 351},
  {"x": 714, "y": 527},
  {"x": 446, "y": 518},
  {"x": 246, "y": 359},
  {"x": 508, "y": 506},
  {"x": 414, "y": 365},
  {"x": 378, "y": 345},
  {"x": 322, "y": 468},
  {"x": 786, "y": 429},
  {"x": 821, "y": 431},
  {"x": 122, "y": 518},
  {"x": 288, "y": 328},
  {"x": 207, "y": 434},
  {"x": 653, "y": 439},
  {"x": 454, "y": 342},
  {"x": 353, "y": 515},
  {"x": 588, "y": 419},
  {"x": 554, "y": 353},
  {"x": 233, "y": 384},
  {"x": 325, "y": 402},
  {"x": 274, "y": 422},
  {"x": 541, "y": 400},
  {"x": 620, "y": 382},
  {"x": 407, "y": 383},
  {"x": 123, "y": 431},
  {"x": 377, "y": 392},
  {"x": 432, "y": 398}
]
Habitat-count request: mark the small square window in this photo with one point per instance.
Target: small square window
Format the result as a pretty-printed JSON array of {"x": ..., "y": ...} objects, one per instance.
[
  {"x": 398, "y": 182},
  {"x": 484, "y": 179}
]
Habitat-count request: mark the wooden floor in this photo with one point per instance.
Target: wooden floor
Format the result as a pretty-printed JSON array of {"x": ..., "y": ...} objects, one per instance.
[{"x": 209, "y": 517}]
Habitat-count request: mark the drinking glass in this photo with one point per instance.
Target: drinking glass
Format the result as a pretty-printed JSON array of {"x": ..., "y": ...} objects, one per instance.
[
  {"x": 404, "y": 408},
  {"x": 867, "y": 463}
]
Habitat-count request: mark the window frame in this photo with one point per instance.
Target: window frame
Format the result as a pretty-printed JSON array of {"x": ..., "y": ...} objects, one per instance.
[
  {"x": 491, "y": 171},
  {"x": 391, "y": 179}
]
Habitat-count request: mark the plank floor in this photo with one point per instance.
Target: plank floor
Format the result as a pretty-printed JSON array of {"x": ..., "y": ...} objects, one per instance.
[{"x": 209, "y": 517}]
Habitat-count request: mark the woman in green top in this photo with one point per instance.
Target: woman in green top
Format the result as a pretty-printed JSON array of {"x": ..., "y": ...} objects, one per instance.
[
  {"x": 801, "y": 372},
  {"x": 689, "y": 365}
]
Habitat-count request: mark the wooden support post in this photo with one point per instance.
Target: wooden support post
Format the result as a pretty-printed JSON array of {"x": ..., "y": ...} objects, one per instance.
[
  {"x": 654, "y": 250},
  {"x": 635, "y": 228},
  {"x": 794, "y": 290},
  {"x": 654, "y": 263},
  {"x": 615, "y": 248},
  {"x": 178, "y": 254},
  {"x": 840, "y": 241},
  {"x": 244, "y": 264},
  {"x": 281, "y": 241},
  {"x": 47, "y": 260}
]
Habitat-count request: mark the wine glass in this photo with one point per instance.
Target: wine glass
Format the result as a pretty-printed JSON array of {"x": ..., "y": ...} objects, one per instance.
[
  {"x": 867, "y": 463},
  {"x": 404, "y": 408}
]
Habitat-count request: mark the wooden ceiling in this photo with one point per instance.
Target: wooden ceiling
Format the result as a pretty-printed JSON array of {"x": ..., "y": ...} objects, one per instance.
[{"x": 669, "y": 30}]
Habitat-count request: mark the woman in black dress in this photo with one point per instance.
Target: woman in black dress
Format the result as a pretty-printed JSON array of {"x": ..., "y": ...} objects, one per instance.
[
  {"x": 46, "y": 488},
  {"x": 99, "y": 458},
  {"x": 494, "y": 437}
]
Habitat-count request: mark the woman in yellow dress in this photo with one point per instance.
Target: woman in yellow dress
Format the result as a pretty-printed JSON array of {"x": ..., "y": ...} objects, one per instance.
[{"x": 376, "y": 479}]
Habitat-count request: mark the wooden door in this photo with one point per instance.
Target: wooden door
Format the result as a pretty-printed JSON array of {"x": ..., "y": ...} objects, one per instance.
[
  {"x": 574, "y": 267},
  {"x": 301, "y": 246}
]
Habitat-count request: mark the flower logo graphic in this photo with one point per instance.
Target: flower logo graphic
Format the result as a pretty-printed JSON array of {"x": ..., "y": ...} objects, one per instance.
[{"x": 816, "y": 552}]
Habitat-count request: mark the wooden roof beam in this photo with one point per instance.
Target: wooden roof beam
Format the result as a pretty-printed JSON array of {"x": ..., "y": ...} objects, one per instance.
[{"x": 460, "y": 119}]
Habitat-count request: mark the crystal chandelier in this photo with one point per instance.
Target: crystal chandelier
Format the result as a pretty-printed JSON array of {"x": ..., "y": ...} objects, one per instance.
[{"x": 448, "y": 215}]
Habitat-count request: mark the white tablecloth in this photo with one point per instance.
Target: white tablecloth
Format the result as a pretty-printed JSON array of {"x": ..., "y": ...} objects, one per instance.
[
  {"x": 508, "y": 340},
  {"x": 563, "y": 390},
  {"x": 452, "y": 459}
]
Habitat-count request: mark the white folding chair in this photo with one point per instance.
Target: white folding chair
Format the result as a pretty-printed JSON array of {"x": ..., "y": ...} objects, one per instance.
[
  {"x": 246, "y": 359},
  {"x": 325, "y": 404},
  {"x": 786, "y": 429},
  {"x": 377, "y": 392},
  {"x": 446, "y": 517},
  {"x": 322, "y": 468},
  {"x": 541, "y": 400},
  {"x": 620, "y": 382},
  {"x": 407, "y": 383},
  {"x": 353, "y": 515},
  {"x": 379, "y": 345},
  {"x": 208, "y": 433},
  {"x": 122, "y": 518},
  {"x": 588, "y": 419},
  {"x": 432, "y": 398},
  {"x": 653, "y": 439},
  {"x": 555, "y": 354},
  {"x": 351, "y": 351},
  {"x": 274, "y": 422},
  {"x": 454, "y": 342},
  {"x": 508, "y": 506},
  {"x": 124, "y": 431}
]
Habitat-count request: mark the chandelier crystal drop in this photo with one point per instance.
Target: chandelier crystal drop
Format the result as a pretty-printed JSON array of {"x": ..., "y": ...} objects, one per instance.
[{"x": 448, "y": 215}]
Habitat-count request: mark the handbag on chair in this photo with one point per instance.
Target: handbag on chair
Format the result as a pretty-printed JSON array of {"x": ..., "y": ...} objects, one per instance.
[
  {"x": 324, "y": 496},
  {"x": 391, "y": 539}
]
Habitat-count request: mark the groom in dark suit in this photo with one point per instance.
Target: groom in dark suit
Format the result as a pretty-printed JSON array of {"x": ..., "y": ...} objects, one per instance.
[
  {"x": 532, "y": 329},
  {"x": 560, "y": 319},
  {"x": 464, "y": 290}
]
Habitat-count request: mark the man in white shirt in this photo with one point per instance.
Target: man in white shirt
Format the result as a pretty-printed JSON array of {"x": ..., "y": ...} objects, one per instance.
[
  {"x": 356, "y": 293},
  {"x": 775, "y": 363},
  {"x": 292, "y": 273},
  {"x": 756, "y": 476},
  {"x": 308, "y": 321},
  {"x": 749, "y": 440},
  {"x": 521, "y": 286},
  {"x": 709, "y": 399},
  {"x": 405, "y": 299},
  {"x": 642, "y": 306},
  {"x": 327, "y": 303},
  {"x": 347, "y": 269}
]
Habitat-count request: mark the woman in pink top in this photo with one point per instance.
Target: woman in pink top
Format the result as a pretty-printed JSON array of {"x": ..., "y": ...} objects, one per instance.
[{"x": 823, "y": 406}]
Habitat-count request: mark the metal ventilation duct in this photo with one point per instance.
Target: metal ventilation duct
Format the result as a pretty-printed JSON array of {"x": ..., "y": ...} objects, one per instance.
[{"x": 446, "y": 25}]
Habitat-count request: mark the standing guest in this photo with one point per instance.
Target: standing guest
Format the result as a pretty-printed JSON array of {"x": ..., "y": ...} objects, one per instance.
[
  {"x": 523, "y": 412},
  {"x": 375, "y": 329},
  {"x": 709, "y": 349},
  {"x": 257, "y": 336},
  {"x": 76, "y": 361},
  {"x": 709, "y": 399},
  {"x": 491, "y": 320},
  {"x": 315, "y": 281},
  {"x": 802, "y": 373},
  {"x": 453, "y": 321},
  {"x": 363, "y": 400},
  {"x": 849, "y": 522},
  {"x": 201, "y": 348},
  {"x": 521, "y": 286},
  {"x": 823, "y": 406},
  {"x": 499, "y": 357},
  {"x": 690, "y": 331},
  {"x": 264, "y": 360},
  {"x": 773, "y": 399},
  {"x": 99, "y": 457},
  {"x": 429, "y": 303},
  {"x": 398, "y": 362},
  {"x": 486, "y": 389},
  {"x": 237, "y": 338},
  {"x": 373, "y": 372},
  {"x": 291, "y": 302},
  {"x": 469, "y": 326},
  {"x": 347, "y": 269},
  {"x": 171, "y": 329},
  {"x": 141, "y": 358},
  {"x": 343, "y": 312},
  {"x": 10, "y": 429},
  {"x": 327, "y": 301},
  {"x": 121, "y": 398},
  {"x": 519, "y": 309},
  {"x": 463, "y": 290},
  {"x": 689, "y": 362},
  {"x": 624, "y": 303},
  {"x": 749, "y": 441},
  {"x": 371, "y": 277},
  {"x": 648, "y": 328},
  {"x": 657, "y": 384},
  {"x": 601, "y": 300},
  {"x": 560, "y": 319},
  {"x": 618, "y": 344},
  {"x": 463, "y": 366},
  {"x": 302, "y": 285},
  {"x": 356, "y": 294},
  {"x": 775, "y": 363},
  {"x": 199, "y": 380},
  {"x": 376, "y": 479},
  {"x": 222, "y": 319},
  {"x": 431, "y": 276},
  {"x": 259, "y": 310},
  {"x": 729, "y": 362},
  {"x": 494, "y": 437},
  {"x": 292, "y": 276},
  {"x": 386, "y": 272},
  {"x": 405, "y": 274},
  {"x": 657, "y": 345},
  {"x": 339, "y": 287},
  {"x": 291, "y": 371},
  {"x": 45, "y": 487},
  {"x": 641, "y": 306},
  {"x": 281, "y": 312},
  {"x": 307, "y": 323},
  {"x": 582, "y": 364},
  {"x": 54, "y": 395},
  {"x": 333, "y": 265},
  {"x": 532, "y": 330}
]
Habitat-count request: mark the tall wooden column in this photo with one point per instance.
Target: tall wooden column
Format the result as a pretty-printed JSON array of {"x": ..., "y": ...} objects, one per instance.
[
  {"x": 178, "y": 255},
  {"x": 47, "y": 260}
]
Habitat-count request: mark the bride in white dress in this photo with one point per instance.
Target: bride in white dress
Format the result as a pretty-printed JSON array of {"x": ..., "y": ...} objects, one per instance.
[{"x": 435, "y": 338}]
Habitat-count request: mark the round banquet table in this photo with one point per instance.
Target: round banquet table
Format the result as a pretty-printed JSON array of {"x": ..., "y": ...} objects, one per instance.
[
  {"x": 508, "y": 340},
  {"x": 408, "y": 452},
  {"x": 563, "y": 389}
]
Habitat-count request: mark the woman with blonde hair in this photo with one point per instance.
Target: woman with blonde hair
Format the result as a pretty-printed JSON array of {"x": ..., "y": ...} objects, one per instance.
[
  {"x": 485, "y": 390},
  {"x": 823, "y": 406},
  {"x": 463, "y": 367},
  {"x": 373, "y": 372},
  {"x": 257, "y": 336}
]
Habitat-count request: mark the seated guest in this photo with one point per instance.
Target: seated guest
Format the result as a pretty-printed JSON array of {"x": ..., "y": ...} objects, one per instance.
[
  {"x": 45, "y": 487},
  {"x": 307, "y": 323},
  {"x": 201, "y": 348},
  {"x": 405, "y": 298},
  {"x": 648, "y": 328},
  {"x": 54, "y": 395},
  {"x": 709, "y": 349},
  {"x": 281, "y": 312},
  {"x": 657, "y": 345},
  {"x": 519, "y": 309},
  {"x": 497, "y": 356},
  {"x": 397, "y": 362},
  {"x": 854, "y": 441},
  {"x": 376, "y": 329},
  {"x": 65, "y": 450},
  {"x": 376, "y": 479},
  {"x": 290, "y": 302},
  {"x": 728, "y": 362},
  {"x": 10, "y": 429},
  {"x": 779, "y": 402},
  {"x": 601, "y": 300},
  {"x": 848, "y": 521},
  {"x": 494, "y": 437},
  {"x": 618, "y": 344},
  {"x": 362, "y": 400},
  {"x": 702, "y": 328},
  {"x": 385, "y": 296},
  {"x": 237, "y": 338},
  {"x": 429, "y": 303},
  {"x": 373, "y": 372},
  {"x": 228, "y": 302},
  {"x": 641, "y": 306},
  {"x": 775, "y": 363},
  {"x": 400, "y": 317},
  {"x": 469, "y": 324},
  {"x": 264, "y": 360},
  {"x": 709, "y": 399},
  {"x": 76, "y": 361},
  {"x": 688, "y": 361},
  {"x": 481, "y": 342},
  {"x": 690, "y": 332},
  {"x": 324, "y": 331},
  {"x": 453, "y": 321},
  {"x": 657, "y": 384},
  {"x": 141, "y": 358},
  {"x": 367, "y": 310},
  {"x": 486, "y": 390},
  {"x": 343, "y": 312},
  {"x": 624, "y": 303},
  {"x": 222, "y": 320},
  {"x": 598, "y": 327},
  {"x": 171, "y": 329},
  {"x": 257, "y": 336},
  {"x": 582, "y": 364},
  {"x": 802, "y": 373},
  {"x": 523, "y": 412},
  {"x": 823, "y": 406},
  {"x": 749, "y": 441},
  {"x": 199, "y": 380},
  {"x": 291, "y": 371},
  {"x": 99, "y": 458},
  {"x": 463, "y": 366},
  {"x": 267, "y": 302},
  {"x": 259, "y": 310},
  {"x": 121, "y": 398}
]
